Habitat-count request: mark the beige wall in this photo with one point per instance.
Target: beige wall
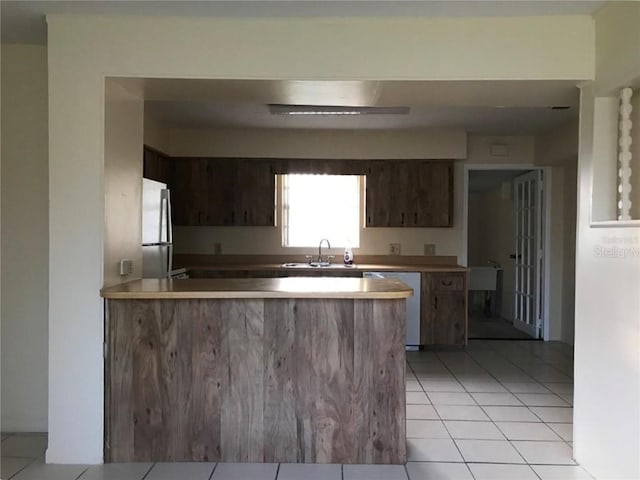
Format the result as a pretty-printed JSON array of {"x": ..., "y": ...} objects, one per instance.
[
  {"x": 607, "y": 330},
  {"x": 605, "y": 179},
  {"x": 83, "y": 48},
  {"x": 155, "y": 134},
  {"x": 556, "y": 254},
  {"x": 283, "y": 143},
  {"x": 557, "y": 145},
  {"x": 635, "y": 152},
  {"x": 520, "y": 149},
  {"x": 25, "y": 238},
  {"x": 569, "y": 202},
  {"x": 558, "y": 149},
  {"x": 616, "y": 46},
  {"x": 122, "y": 182}
]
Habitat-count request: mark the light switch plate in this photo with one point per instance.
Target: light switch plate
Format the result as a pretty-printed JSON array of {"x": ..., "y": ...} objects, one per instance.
[{"x": 394, "y": 249}]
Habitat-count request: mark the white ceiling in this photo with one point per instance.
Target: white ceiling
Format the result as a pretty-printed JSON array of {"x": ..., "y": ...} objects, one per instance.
[
  {"x": 489, "y": 107},
  {"x": 486, "y": 107}
]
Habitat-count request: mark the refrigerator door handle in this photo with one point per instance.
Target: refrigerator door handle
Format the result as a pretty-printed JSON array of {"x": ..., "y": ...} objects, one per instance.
[{"x": 166, "y": 226}]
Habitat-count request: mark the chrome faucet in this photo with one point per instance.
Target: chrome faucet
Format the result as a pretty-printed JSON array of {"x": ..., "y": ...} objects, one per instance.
[{"x": 324, "y": 240}]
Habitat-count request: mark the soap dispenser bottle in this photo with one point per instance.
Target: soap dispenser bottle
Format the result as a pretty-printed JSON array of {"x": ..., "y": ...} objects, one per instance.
[{"x": 348, "y": 255}]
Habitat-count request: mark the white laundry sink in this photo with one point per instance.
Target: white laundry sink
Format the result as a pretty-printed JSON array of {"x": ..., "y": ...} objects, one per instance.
[{"x": 483, "y": 278}]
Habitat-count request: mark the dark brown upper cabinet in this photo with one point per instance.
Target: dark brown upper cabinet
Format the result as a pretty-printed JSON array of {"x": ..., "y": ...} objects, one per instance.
[
  {"x": 223, "y": 192},
  {"x": 155, "y": 165},
  {"x": 409, "y": 193},
  {"x": 190, "y": 190}
]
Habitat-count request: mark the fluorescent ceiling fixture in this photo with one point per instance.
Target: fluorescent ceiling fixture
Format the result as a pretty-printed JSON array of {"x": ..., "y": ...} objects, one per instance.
[{"x": 279, "y": 109}]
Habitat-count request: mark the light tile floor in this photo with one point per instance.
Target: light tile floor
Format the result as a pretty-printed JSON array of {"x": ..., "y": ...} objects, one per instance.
[{"x": 497, "y": 410}]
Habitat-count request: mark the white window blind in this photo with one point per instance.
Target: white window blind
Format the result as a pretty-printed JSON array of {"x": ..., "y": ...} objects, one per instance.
[{"x": 321, "y": 206}]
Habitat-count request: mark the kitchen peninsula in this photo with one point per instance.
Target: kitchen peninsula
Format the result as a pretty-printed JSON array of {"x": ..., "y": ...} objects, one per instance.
[{"x": 307, "y": 370}]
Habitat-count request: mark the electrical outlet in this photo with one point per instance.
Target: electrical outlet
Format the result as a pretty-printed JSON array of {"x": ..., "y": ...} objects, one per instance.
[
  {"x": 217, "y": 249},
  {"x": 126, "y": 267},
  {"x": 394, "y": 249},
  {"x": 429, "y": 249}
]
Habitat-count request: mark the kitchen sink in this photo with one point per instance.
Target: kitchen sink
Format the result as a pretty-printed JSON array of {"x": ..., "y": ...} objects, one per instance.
[{"x": 315, "y": 265}]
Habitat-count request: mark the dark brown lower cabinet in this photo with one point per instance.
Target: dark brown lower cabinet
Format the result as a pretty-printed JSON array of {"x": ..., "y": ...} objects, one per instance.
[{"x": 443, "y": 309}]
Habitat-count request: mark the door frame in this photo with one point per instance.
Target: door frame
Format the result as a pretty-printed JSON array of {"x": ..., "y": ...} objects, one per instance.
[{"x": 546, "y": 178}]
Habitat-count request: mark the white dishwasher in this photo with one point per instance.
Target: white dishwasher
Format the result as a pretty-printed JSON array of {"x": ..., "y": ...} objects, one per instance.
[{"x": 412, "y": 279}]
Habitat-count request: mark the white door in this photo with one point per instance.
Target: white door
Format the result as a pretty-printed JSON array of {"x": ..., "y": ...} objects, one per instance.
[{"x": 529, "y": 253}]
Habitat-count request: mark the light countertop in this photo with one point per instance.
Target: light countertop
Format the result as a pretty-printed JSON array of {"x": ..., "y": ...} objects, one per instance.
[
  {"x": 359, "y": 267},
  {"x": 288, "y": 287}
]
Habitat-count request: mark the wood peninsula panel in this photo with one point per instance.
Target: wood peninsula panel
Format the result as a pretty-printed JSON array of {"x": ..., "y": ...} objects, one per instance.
[{"x": 275, "y": 380}]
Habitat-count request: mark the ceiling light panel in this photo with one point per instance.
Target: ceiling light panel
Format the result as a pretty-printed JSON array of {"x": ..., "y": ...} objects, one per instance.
[{"x": 278, "y": 109}]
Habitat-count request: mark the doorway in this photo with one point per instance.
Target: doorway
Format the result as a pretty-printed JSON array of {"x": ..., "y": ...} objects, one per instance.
[{"x": 506, "y": 239}]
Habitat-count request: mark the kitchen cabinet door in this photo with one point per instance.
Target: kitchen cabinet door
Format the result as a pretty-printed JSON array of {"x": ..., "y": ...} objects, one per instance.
[
  {"x": 409, "y": 193},
  {"x": 376, "y": 191},
  {"x": 220, "y": 191},
  {"x": 189, "y": 191},
  {"x": 432, "y": 194},
  {"x": 255, "y": 193},
  {"x": 386, "y": 187},
  {"x": 155, "y": 165},
  {"x": 443, "y": 309}
]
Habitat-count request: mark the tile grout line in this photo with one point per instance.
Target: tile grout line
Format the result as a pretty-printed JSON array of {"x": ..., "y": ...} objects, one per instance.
[
  {"x": 23, "y": 468},
  {"x": 497, "y": 352},
  {"x": 148, "y": 471},
  {"x": 448, "y": 368},
  {"x": 82, "y": 473}
]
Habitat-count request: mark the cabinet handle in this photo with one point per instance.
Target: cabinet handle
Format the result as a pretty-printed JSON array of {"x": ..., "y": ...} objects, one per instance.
[
  {"x": 369, "y": 220},
  {"x": 435, "y": 303},
  {"x": 233, "y": 217},
  {"x": 415, "y": 217},
  {"x": 447, "y": 284},
  {"x": 402, "y": 219},
  {"x": 245, "y": 217}
]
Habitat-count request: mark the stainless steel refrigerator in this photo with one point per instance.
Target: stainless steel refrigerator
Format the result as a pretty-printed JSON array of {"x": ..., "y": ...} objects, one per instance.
[{"x": 157, "y": 238}]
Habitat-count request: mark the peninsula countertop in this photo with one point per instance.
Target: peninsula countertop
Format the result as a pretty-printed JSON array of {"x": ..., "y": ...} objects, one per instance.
[
  {"x": 358, "y": 267},
  {"x": 288, "y": 287}
]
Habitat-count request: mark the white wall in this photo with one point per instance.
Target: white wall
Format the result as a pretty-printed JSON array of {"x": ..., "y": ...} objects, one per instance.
[
  {"x": 569, "y": 201},
  {"x": 155, "y": 134},
  {"x": 346, "y": 144},
  {"x": 607, "y": 335},
  {"x": 122, "y": 182},
  {"x": 83, "y": 48},
  {"x": 520, "y": 149},
  {"x": 25, "y": 217},
  {"x": 556, "y": 253},
  {"x": 635, "y": 152}
]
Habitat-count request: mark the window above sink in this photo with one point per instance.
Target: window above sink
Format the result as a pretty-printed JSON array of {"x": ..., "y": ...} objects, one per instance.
[{"x": 321, "y": 206}]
